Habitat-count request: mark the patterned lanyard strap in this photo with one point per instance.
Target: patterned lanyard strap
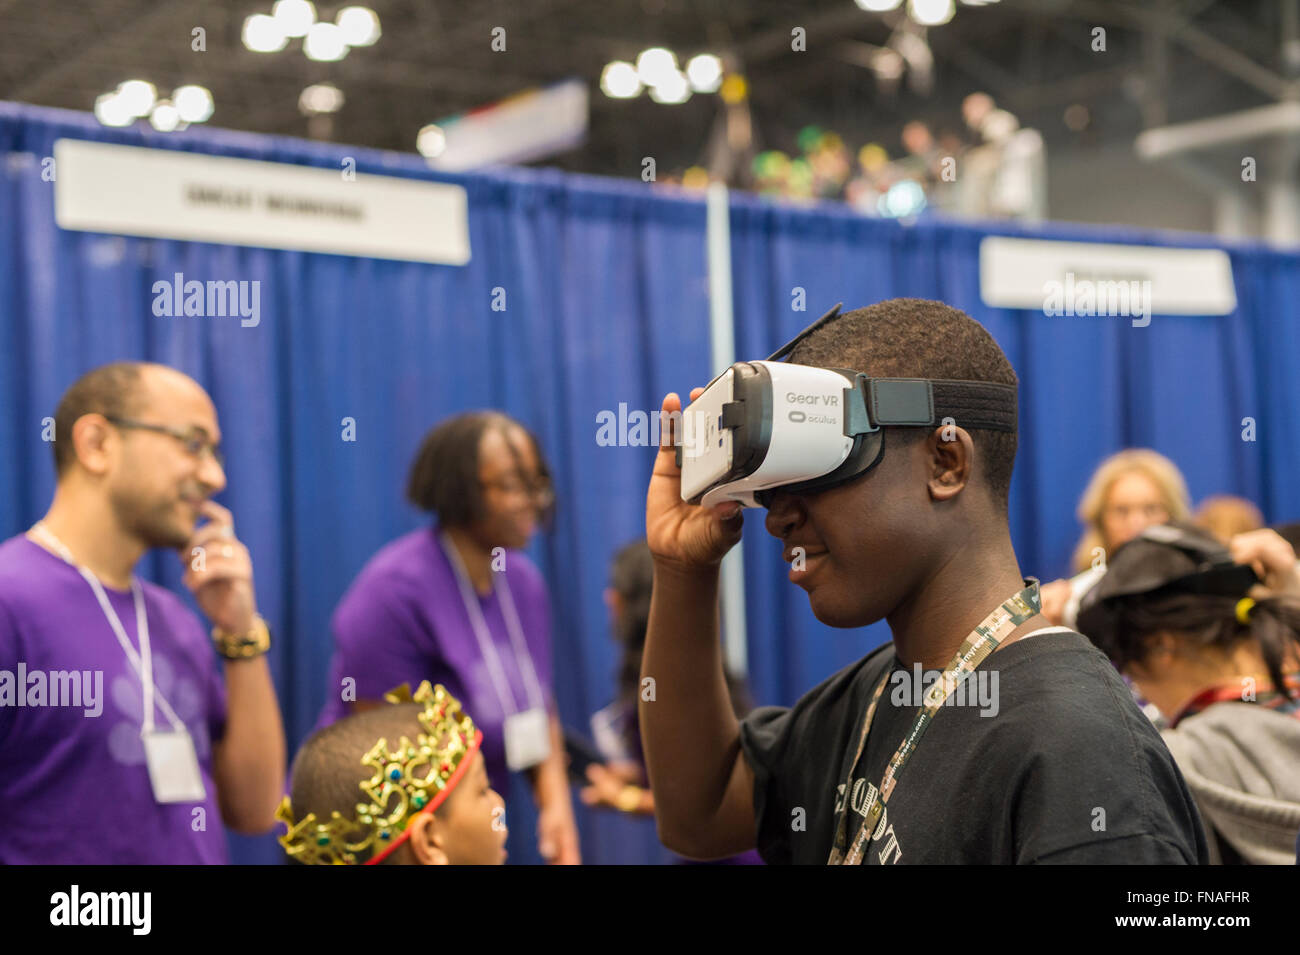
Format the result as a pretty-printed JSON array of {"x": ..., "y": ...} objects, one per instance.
[{"x": 982, "y": 641}]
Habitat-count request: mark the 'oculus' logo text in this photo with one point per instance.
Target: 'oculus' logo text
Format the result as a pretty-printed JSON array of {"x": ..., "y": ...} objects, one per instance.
[{"x": 799, "y": 417}]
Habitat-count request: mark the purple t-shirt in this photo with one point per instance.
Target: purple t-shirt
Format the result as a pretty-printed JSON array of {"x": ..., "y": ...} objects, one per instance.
[
  {"x": 403, "y": 620},
  {"x": 74, "y": 787}
]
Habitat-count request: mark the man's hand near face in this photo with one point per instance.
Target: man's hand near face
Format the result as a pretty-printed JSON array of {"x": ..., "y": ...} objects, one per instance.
[
  {"x": 219, "y": 571},
  {"x": 249, "y": 760},
  {"x": 704, "y": 789}
]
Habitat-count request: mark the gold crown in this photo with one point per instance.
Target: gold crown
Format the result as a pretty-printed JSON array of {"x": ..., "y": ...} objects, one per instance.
[{"x": 397, "y": 791}]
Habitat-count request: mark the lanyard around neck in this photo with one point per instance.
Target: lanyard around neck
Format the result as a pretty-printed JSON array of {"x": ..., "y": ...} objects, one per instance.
[
  {"x": 487, "y": 648},
  {"x": 981, "y": 641},
  {"x": 142, "y": 662}
]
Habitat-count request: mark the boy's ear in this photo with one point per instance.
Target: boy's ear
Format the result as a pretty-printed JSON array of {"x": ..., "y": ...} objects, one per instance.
[
  {"x": 426, "y": 840},
  {"x": 950, "y": 455}
]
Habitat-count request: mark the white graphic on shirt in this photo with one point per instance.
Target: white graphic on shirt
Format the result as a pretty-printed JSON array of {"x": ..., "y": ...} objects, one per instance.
[
  {"x": 861, "y": 798},
  {"x": 886, "y": 832},
  {"x": 124, "y": 743}
]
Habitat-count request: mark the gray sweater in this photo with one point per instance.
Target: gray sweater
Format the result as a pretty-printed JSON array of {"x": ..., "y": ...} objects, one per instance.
[{"x": 1242, "y": 763}]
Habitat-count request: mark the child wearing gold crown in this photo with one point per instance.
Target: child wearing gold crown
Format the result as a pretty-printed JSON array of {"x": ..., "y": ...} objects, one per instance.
[{"x": 403, "y": 785}]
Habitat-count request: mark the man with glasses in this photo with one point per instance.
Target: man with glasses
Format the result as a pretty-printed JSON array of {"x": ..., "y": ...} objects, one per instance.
[{"x": 121, "y": 738}]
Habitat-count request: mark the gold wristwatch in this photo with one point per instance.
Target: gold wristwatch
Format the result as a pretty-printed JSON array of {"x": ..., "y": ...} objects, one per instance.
[
  {"x": 629, "y": 799},
  {"x": 243, "y": 646}
]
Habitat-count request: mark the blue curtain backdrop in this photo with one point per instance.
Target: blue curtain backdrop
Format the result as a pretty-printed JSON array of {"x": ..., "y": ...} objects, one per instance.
[{"x": 606, "y": 304}]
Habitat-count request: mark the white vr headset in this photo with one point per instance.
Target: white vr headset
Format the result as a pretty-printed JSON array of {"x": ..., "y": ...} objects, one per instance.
[{"x": 764, "y": 425}]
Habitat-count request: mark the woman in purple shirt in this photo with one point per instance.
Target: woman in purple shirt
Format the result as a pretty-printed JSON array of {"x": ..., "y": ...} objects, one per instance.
[{"x": 460, "y": 604}]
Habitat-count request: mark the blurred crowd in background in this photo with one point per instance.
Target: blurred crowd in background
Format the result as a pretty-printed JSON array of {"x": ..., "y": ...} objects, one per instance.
[{"x": 981, "y": 165}]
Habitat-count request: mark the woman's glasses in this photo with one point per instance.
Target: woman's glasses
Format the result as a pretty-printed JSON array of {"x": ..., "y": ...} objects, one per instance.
[{"x": 540, "y": 490}]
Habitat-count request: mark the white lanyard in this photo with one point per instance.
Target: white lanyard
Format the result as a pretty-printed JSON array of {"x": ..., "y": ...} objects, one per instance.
[
  {"x": 142, "y": 662},
  {"x": 523, "y": 660}
]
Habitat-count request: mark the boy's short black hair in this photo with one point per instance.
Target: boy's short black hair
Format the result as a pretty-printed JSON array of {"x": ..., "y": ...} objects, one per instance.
[
  {"x": 444, "y": 475},
  {"x": 327, "y": 772},
  {"x": 919, "y": 338}
]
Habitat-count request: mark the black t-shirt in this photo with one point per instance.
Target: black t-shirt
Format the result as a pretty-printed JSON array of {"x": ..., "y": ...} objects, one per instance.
[{"x": 1047, "y": 760}]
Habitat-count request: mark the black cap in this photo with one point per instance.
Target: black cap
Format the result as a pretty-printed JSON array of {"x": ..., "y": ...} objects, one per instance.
[{"x": 1163, "y": 559}]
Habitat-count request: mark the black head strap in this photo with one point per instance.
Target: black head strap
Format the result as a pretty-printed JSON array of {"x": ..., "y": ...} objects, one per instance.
[
  {"x": 916, "y": 401},
  {"x": 921, "y": 402}
]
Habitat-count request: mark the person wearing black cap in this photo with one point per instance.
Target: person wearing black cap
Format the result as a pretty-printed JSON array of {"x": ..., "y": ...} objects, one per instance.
[{"x": 1214, "y": 643}]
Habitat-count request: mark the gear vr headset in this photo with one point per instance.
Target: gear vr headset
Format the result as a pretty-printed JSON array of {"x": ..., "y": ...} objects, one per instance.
[{"x": 764, "y": 425}]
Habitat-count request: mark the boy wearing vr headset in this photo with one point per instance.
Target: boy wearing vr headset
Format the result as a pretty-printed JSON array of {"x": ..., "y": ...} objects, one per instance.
[{"x": 909, "y": 526}]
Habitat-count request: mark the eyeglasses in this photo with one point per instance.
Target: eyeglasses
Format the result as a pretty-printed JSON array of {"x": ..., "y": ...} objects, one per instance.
[
  {"x": 541, "y": 491},
  {"x": 196, "y": 440}
]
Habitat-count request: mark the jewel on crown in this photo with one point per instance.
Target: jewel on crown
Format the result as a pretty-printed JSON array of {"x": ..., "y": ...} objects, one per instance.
[{"x": 407, "y": 778}]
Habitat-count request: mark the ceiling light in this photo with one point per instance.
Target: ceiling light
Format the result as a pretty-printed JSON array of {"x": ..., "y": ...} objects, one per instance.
[
  {"x": 431, "y": 141},
  {"x": 262, "y": 34},
  {"x": 704, "y": 72},
  {"x": 110, "y": 110},
  {"x": 656, "y": 65},
  {"x": 193, "y": 103},
  {"x": 320, "y": 98},
  {"x": 325, "y": 43},
  {"x": 165, "y": 117},
  {"x": 360, "y": 25},
  {"x": 672, "y": 89},
  {"x": 931, "y": 13},
  {"x": 137, "y": 97},
  {"x": 619, "y": 80},
  {"x": 295, "y": 17}
]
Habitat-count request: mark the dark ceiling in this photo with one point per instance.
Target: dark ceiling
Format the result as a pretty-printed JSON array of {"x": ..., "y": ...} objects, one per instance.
[{"x": 1164, "y": 62}]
